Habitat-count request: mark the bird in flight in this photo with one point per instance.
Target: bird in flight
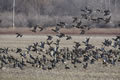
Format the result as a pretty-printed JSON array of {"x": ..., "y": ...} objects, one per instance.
[{"x": 18, "y": 35}]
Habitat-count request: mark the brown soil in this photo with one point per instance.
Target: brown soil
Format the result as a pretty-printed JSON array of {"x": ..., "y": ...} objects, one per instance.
[{"x": 73, "y": 31}]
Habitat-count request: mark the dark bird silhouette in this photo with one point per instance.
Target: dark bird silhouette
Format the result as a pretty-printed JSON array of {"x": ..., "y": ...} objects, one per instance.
[
  {"x": 41, "y": 28},
  {"x": 60, "y": 35},
  {"x": 20, "y": 66},
  {"x": 118, "y": 24},
  {"x": 117, "y": 38},
  {"x": 68, "y": 37},
  {"x": 0, "y": 21},
  {"x": 57, "y": 42},
  {"x": 4, "y": 50},
  {"x": 82, "y": 32},
  {"x": 18, "y": 35},
  {"x": 88, "y": 10},
  {"x": 23, "y": 55},
  {"x": 56, "y": 29},
  {"x": 49, "y": 37},
  {"x": 79, "y": 24},
  {"x": 49, "y": 43},
  {"x": 83, "y": 10},
  {"x": 107, "y": 20},
  {"x": 35, "y": 44},
  {"x": 86, "y": 58},
  {"x": 84, "y": 16},
  {"x": 92, "y": 61},
  {"x": 107, "y": 42},
  {"x": 18, "y": 50},
  {"x": 66, "y": 67},
  {"x": 35, "y": 28},
  {"x": 98, "y": 10},
  {"x": 29, "y": 48},
  {"x": 32, "y": 57},
  {"x": 77, "y": 44},
  {"x": 42, "y": 44},
  {"x": 106, "y": 12},
  {"x": 1, "y": 50},
  {"x": 85, "y": 65},
  {"x": 75, "y": 19},
  {"x": 61, "y": 24},
  {"x": 87, "y": 41}
]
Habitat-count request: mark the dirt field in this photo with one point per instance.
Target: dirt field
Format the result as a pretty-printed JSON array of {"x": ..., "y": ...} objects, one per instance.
[
  {"x": 93, "y": 72},
  {"x": 72, "y": 31}
]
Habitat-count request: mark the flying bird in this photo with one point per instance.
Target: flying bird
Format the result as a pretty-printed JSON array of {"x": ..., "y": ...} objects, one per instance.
[
  {"x": 49, "y": 37},
  {"x": 60, "y": 35},
  {"x": 56, "y": 29},
  {"x": 82, "y": 32},
  {"x": 75, "y": 19},
  {"x": 35, "y": 28},
  {"x": 68, "y": 37},
  {"x": 106, "y": 12},
  {"x": 41, "y": 28},
  {"x": 18, "y": 35}
]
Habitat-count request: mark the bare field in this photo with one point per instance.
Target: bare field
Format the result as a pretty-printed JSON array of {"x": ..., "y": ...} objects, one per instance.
[
  {"x": 13, "y": 42},
  {"x": 93, "y": 72}
]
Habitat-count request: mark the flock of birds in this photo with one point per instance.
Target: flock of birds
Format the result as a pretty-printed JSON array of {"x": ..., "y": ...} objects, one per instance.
[{"x": 50, "y": 57}]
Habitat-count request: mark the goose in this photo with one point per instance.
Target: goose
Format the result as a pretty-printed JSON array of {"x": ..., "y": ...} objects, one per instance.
[
  {"x": 41, "y": 28},
  {"x": 49, "y": 37},
  {"x": 35, "y": 28},
  {"x": 68, "y": 37},
  {"x": 85, "y": 65},
  {"x": 56, "y": 29},
  {"x": 75, "y": 19},
  {"x": 18, "y": 35},
  {"x": 18, "y": 50},
  {"x": 82, "y": 32},
  {"x": 106, "y": 12},
  {"x": 61, "y": 35}
]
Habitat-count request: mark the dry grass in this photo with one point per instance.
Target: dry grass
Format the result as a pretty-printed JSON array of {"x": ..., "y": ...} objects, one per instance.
[{"x": 94, "y": 72}]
